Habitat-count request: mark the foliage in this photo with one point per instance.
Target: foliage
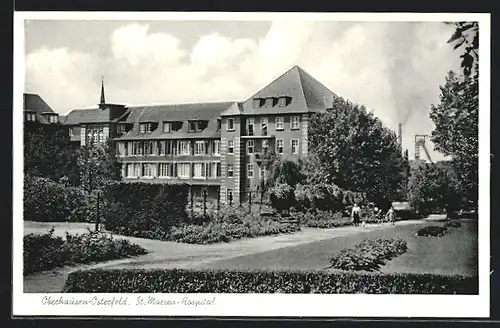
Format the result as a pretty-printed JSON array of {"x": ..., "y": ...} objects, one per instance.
[
  {"x": 433, "y": 189},
  {"x": 282, "y": 196},
  {"x": 45, "y": 251},
  {"x": 369, "y": 255},
  {"x": 244, "y": 281},
  {"x": 466, "y": 39},
  {"x": 48, "y": 153},
  {"x": 97, "y": 165},
  {"x": 453, "y": 224},
  {"x": 353, "y": 150},
  {"x": 48, "y": 201},
  {"x": 285, "y": 171},
  {"x": 433, "y": 231},
  {"x": 138, "y": 208},
  {"x": 321, "y": 219}
]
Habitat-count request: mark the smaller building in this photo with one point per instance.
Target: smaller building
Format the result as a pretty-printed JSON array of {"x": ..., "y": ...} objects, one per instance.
[{"x": 37, "y": 111}]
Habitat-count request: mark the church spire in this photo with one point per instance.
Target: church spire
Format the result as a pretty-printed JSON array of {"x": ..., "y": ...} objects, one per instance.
[{"x": 103, "y": 99}]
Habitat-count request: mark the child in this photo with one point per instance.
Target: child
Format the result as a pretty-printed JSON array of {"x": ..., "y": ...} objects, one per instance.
[{"x": 391, "y": 215}]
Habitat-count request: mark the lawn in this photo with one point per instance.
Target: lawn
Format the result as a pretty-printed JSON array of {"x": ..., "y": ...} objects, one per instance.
[{"x": 454, "y": 253}]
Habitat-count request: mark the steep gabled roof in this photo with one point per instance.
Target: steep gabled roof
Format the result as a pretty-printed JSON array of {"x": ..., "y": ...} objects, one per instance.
[
  {"x": 33, "y": 102},
  {"x": 177, "y": 112},
  {"x": 307, "y": 94}
]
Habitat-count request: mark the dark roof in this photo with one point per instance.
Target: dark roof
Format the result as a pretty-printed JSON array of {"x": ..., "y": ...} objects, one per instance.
[
  {"x": 96, "y": 115},
  {"x": 34, "y": 103},
  {"x": 308, "y": 95},
  {"x": 177, "y": 112}
]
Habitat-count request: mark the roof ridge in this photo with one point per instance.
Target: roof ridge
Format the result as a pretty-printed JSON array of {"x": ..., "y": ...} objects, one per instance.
[
  {"x": 271, "y": 82},
  {"x": 301, "y": 84},
  {"x": 301, "y": 70}
]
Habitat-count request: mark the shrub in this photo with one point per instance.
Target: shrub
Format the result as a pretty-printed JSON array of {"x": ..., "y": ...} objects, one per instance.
[
  {"x": 139, "y": 209},
  {"x": 369, "y": 255},
  {"x": 282, "y": 196},
  {"x": 321, "y": 219},
  {"x": 48, "y": 201},
  {"x": 46, "y": 251},
  {"x": 239, "y": 281},
  {"x": 453, "y": 224},
  {"x": 433, "y": 231}
]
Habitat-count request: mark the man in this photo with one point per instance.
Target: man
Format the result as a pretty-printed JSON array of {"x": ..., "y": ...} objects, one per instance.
[{"x": 355, "y": 214}]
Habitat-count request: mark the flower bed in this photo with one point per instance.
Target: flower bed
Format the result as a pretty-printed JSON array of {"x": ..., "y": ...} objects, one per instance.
[
  {"x": 432, "y": 231},
  {"x": 45, "y": 251},
  {"x": 369, "y": 255},
  {"x": 239, "y": 281}
]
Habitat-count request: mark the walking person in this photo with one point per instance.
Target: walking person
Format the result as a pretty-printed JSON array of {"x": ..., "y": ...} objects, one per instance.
[
  {"x": 391, "y": 215},
  {"x": 355, "y": 214}
]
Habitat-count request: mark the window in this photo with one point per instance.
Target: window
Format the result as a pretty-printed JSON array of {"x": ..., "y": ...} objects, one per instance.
[
  {"x": 294, "y": 122},
  {"x": 133, "y": 170},
  {"x": 256, "y": 102},
  {"x": 192, "y": 126},
  {"x": 282, "y": 101},
  {"x": 230, "y": 147},
  {"x": 147, "y": 170},
  {"x": 183, "y": 170},
  {"x": 170, "y": 147},
  {"x": 216, "y": 148},
  {"x": 166, "y": 170},
  {"x": 269, "y": 102},
  {"x": 230, "y": 170},
  {"x": 279, "y": 146},
  {"x": 250, "y": 146},
  {"x": 70, "y": 132},
  {"x": 183, "y": 147},
  {"x": 146, "y": 128},
  {"x": 148, "y": 148},
  {"x": 137, "y": 148},
  {"x": 161, "y": 147},
  {"x": 265, "y": 146},
  {"x": 295, "y": 146},
  {"x": 263, "y": 126},
  {"x": 200, "y": 148},
  {"x": 250, "y": 124},
  {"x": 230, "y": 124},
  {"x": 101, "y": 136},
  {"x": 30, "y": 117},
  {"x": 279, "y": 123},
  {"x": 53, "y": 119},
  {"x": 218, "y": 170},
  {"x": 250, "y": 170},
  {"x": 229, "y": 193},
  {"x": 167, "y": 127},
  {"x": 199, "y": 170},
  {"x": 121, "y": 128}
]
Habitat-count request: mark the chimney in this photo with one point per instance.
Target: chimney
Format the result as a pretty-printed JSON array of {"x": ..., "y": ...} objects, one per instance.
[{"x": 400, "y": 136}]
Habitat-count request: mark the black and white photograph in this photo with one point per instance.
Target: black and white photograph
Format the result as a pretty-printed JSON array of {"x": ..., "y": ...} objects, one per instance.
[{"x": 246, "y": 164}]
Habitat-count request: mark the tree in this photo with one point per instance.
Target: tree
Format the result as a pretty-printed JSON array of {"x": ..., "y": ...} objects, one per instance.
[
  {"x": 456, "y": 117},
  {"x": 351, "y": 148},
  {"x": 48, "y": 153},
  {"x": 97, "y": 165}
]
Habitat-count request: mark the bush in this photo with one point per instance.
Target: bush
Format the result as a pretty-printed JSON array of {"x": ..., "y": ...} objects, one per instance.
[
  {"x": 139, "y": 209},
  {"x": 282, "y": 197},
  {"x": 321, "y": 219},
  {"x": 45, "y": 251},
  {"x": 433, "y": 231},
  {"x": 453, "y": 224},
  {"x": 238, "y": 281},
  {"x": 369, "y": 255},
  {"x": 48, "y": 201}
]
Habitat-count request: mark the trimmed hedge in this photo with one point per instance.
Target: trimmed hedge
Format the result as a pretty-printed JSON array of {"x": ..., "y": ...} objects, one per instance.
[
  {"x": 45, "y": 251},
  {"x": 321, "y": 219},
  {"x": 239, "y": 281},
  {"x": 432, "y": 231},
  {"x": 139, "y": 208},
  {"x": 49, "y": 201},
  {"x": 369, "y": 255}
]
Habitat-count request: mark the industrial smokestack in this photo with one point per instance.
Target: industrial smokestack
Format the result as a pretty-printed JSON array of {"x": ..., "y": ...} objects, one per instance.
[{"x": 400, "y": 136}]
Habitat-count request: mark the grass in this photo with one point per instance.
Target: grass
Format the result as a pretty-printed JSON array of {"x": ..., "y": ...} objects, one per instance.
[{"x": 454, "y": 253}]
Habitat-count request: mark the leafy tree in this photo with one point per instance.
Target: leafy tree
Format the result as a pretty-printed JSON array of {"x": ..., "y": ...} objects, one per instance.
[
  {"x": 352, "y": 149},
  {"x": 456, "y": 117},
  {"x": 97, "y": 165},
  {"x": 49, "y": 153}
]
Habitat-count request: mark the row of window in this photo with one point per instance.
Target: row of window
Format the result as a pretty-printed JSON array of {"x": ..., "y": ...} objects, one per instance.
[
  {"x": 205, "y": 170},
  {"x": 271, "y": 101},
  {"x": 264, "y": 123},
  {"x": 250, "y": 170},
  {"x": 250, "y": 146},
  {"x": 30, "y": 117},
  {"x": 193, "y": 126},
  {"x": 94, "y": 134},
  {"x": 171, "y": 147}
]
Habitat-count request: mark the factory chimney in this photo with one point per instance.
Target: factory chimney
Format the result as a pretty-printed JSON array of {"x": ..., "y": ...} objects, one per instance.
[{"x": 400, "y": 136}]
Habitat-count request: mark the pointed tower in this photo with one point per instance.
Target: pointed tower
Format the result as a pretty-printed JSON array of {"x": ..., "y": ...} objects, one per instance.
[{"x": 103, "y": 98}]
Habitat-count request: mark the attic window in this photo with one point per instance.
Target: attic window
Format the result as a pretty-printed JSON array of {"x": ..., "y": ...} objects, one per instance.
[
  {"x": 270, "y": 102},
  {"x": 121, "y": 128},
  {"x": 30, "y": 117},
  {"x": 192, "y": 126},
  {"x": 195, "y": 126},
  {"x": 257, "y": 102},
  {"x": 53, "y": 118},
  {"x": 146, "y": 128},
  {"x": 283, "y": 101},
  {"x": 167, "y": 127},
  {"x": 176, "y": 126}
]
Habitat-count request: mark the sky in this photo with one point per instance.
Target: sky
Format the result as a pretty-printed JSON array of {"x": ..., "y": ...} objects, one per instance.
[{"x": 392, "y": 68}]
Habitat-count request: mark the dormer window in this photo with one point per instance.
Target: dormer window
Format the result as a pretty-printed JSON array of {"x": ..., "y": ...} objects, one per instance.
[
  {"x": 270, "y": 102},
  {"x": 192, "y": 126},
  {"x": 53, "y": 118},
  {"x": 257, "y": 102},
  {"x": 196, "y": 126},
  {"x": 121, "y": 128},
  {"x": 30, "y": 117},
  {"x": 167, "y": 127},
  {"x": 176, "y": 126},
  {"x": 146, "y": 128}
]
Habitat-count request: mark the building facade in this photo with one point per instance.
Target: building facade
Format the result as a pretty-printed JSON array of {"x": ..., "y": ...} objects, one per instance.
[{"x": 216, "y": 147}]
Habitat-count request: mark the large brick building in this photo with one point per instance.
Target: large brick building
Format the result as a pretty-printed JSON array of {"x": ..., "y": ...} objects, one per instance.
[{"x": 216, "y": 146}]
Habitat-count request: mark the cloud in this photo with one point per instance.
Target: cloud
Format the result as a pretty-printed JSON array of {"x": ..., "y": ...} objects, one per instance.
[{"x": 393, "y": 68}]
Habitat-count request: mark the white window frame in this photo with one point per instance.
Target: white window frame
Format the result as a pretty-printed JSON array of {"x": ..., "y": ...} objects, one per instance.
[
  {"x": 280, "y": 123},
  {"x": 230, "y": 145},
  {"x": 230, "y": 124},
  {"x": 160, "y": 170},
  {"x": 179, "y": 169},
  {"x": 131, "y": 170},
  {"x": 264, "y": 125},
  {"x": 296, "y": 151},
  {"x": 230, "y": 168},
  {"x": 101, "y": 136},
  {"x": 250, "y": 172},
  {"x": 269, "y": 102},
  {"x": 251, "y": 123},
  {"x": 167, "y": 127},
  {"x": 199, "y": 148},
  {"x": 199, "y": 168},
  {"x": 183, "y": 147},
  {"x": 282, "y": 101},
  {"x": 149, "y": 172},
  {"x": 70, "y": 132},
  {"x": 121, "y": 128},
  {"x": 216, "y": 148},
  {"x": 195, "y": 124},
  {"x": 295, "y": 123},
  {"x": 250, "y": 146},
  {"x": 278, "y": 142}
]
